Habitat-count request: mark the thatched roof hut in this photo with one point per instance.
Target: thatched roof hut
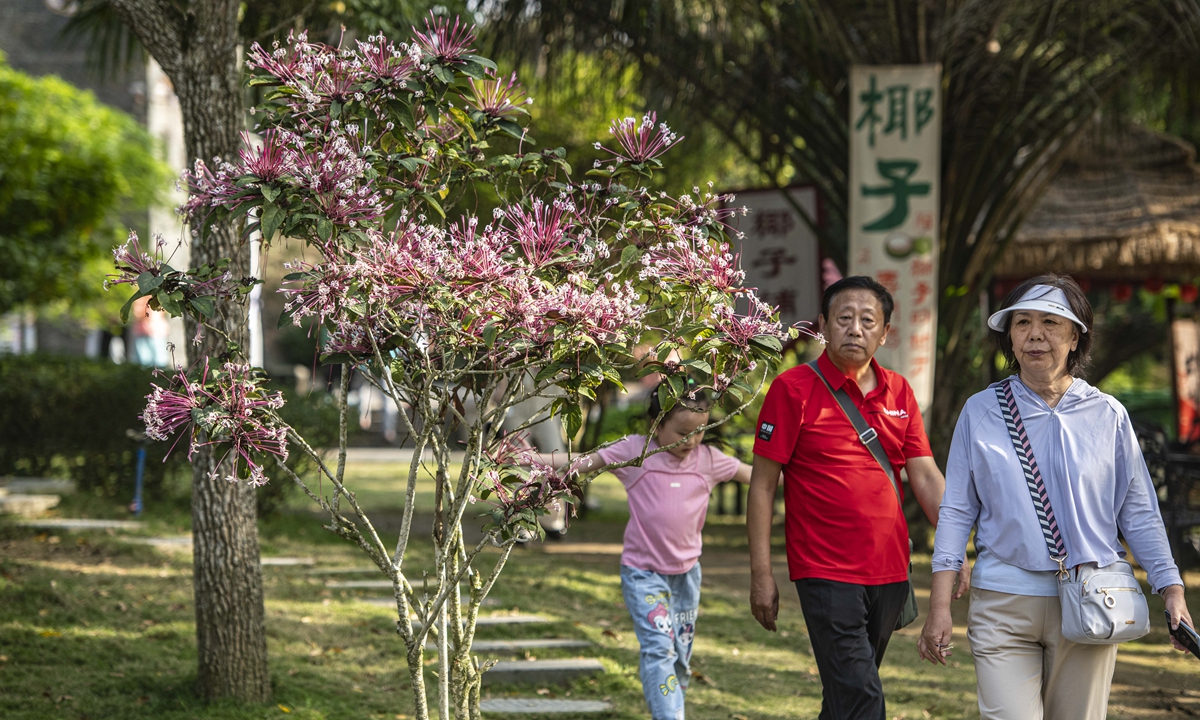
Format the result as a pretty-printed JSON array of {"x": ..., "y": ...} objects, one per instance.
[{"x": 1125, "y": 207}]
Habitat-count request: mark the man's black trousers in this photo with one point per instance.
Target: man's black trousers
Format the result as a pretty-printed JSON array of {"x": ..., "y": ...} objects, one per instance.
[{"x": 849, "y": 627}]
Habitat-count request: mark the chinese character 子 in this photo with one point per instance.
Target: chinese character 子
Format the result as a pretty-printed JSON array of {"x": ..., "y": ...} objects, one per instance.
[
  {"x": 897, "y": 173},
  {"x": 773, "y": 222},
  {"x": 870, "y": 118},
  {"x": 773, "y": 259}
]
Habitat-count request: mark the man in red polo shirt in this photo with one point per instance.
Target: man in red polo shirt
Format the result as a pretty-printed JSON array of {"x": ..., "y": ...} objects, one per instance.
[{"x": 847, "y": 540}]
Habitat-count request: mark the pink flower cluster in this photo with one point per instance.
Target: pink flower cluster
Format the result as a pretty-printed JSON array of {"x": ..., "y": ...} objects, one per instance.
[
  {"x": 521, "y": 482},
  {"x": 641, "y": 141},
  {"x": 695, "y": 261},
  {"x": 225, "y": 407},
  {"x": 450, "y": 284},
  {"x": 132, "y": 261}
]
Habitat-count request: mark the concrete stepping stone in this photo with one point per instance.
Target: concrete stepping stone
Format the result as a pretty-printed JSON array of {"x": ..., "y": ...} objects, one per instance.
[
  {"x": 541, "y": 671},
  {"x": 81, "y": 524},
  {"x": 287, "y": 561},
  {"x": 520, "y": 646},
  {"x": 482, "y": 621},
  {"x": 542, "y": 706},
  {"x": 27, "y": 505},
  {"x": 37, "y": 486}
]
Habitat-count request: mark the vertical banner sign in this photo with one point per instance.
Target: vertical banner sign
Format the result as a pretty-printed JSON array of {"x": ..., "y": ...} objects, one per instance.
[
  {"x": 1185, "y": 345},
  {"x": 779, "y": 251},
  {"x": 895, "y": 171}
]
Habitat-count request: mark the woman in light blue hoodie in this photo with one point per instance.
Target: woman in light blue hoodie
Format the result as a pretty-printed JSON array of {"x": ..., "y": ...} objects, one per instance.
[{"x": 1087, "y": 463}]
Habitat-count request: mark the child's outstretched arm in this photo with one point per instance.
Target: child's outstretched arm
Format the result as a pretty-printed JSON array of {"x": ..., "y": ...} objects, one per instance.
[{"x": 743, "y": 473}]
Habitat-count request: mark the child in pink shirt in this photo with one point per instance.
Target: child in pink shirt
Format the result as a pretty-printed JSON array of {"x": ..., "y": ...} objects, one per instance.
[{"x": 660, "y": 569}]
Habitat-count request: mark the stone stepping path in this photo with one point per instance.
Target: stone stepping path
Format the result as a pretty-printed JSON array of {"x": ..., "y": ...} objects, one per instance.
[
  {"x": 26, "y": 505},
  {"x": 287, "y": 561},
  {"x": 82, "y": 524},
  {"x": 528, "y": 672},
  {"x": 520, "y": 646},
  {"x": 46, "y": 486},
  {"x": 559, "y": 672},
  {"x": 540, "y": 706}
]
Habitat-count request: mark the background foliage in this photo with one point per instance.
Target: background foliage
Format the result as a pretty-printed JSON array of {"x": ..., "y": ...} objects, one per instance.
[{"x": 74, "y": 173}]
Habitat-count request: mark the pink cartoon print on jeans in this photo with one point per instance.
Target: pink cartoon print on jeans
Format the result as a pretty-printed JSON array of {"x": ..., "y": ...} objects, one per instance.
[{"x": 661, "y": 619}]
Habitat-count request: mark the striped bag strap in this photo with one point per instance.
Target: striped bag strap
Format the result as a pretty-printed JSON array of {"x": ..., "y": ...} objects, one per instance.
[{"x": 1033, "y": 476}]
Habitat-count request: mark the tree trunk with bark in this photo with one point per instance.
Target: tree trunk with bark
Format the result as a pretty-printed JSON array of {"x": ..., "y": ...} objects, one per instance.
[{"x": 197, "y": 44}]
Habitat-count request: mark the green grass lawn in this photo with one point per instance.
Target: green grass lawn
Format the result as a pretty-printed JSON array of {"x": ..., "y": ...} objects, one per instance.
[{"x": 94, "y": 627}]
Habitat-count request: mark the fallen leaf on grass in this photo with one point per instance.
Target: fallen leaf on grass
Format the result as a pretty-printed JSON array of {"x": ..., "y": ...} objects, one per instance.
[
  {"x": 738, "y": 717},
  {"x": 116, "y": 674},
  {"x": 3, "y": 658},
  {"x": 143, "y": 700},
  {"x": 543, "y": 691},
  {"x": 704, "y": 679},
  {"x": 285, "y": 708},
  {"x": 610, "y": 634},
  {"x": 50, "y": 633},
  {"x": 293, "y": 671}
]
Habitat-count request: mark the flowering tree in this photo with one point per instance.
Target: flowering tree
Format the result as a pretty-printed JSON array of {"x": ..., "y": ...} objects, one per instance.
[{"x": 454, "y": 317}]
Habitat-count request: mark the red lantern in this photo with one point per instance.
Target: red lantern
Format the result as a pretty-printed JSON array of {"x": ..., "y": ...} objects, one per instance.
[
  {"x": 1154, "y": 285},
  {"x": 1122, "y": 292},
  {"x": 1188, "y": 293},
  {"x": 1085, "y": 284}
]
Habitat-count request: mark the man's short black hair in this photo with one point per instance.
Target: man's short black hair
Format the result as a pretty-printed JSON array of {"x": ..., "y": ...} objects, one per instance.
[{"x": 859, "y": 282}]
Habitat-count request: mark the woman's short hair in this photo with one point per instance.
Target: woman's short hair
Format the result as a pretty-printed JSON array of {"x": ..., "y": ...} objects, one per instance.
[{"x": 1078, "y": 358}]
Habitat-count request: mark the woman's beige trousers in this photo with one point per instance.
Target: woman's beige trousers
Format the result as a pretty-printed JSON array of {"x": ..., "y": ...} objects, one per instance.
[{"x": 1026, "y": 669}]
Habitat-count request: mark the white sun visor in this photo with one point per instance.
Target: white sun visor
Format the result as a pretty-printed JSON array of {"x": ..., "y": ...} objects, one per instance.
[{"x": 1042, "y": 298}]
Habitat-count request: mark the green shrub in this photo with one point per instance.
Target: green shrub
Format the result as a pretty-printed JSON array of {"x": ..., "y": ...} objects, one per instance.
[{"x": 68, "y": 416}]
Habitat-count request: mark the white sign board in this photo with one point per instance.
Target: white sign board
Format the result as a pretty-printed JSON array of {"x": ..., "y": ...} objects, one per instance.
[
  {"x": 779, "y": 251},
  {"x": 895, "y": 166}
]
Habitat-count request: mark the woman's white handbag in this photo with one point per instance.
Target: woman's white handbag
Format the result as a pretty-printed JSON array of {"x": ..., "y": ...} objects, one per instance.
[{"x": 1100, "y": 606}]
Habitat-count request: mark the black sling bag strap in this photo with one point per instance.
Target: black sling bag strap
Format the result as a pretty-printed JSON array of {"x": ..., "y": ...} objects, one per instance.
[
  {"x": 866, "y": 433},
  {"x": 870, "y": 439}
]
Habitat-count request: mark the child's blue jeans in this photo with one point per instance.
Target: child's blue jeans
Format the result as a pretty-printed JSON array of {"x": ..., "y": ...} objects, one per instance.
[{"x": 663, "y": 608}]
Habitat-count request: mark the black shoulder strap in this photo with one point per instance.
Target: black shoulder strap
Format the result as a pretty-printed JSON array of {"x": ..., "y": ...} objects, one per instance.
[{"x": 866, "y": 433}]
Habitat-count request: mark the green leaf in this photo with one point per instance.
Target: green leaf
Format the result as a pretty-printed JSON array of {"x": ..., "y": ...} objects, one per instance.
[
  {"x": 434, "y": 204},
  {"x": 490, "y": 331},
  {"x": 170, "y": 302},
  {"x": 487, "y": 63},
  {"x": 271, "y": 217},
  {"x": 129, "y": 304},
  {"x": 324, "y": 228},
  {"x": 767, "y": 342},
  {"x": 443, "y": 73},
  {"x": 268, "y": 192},
  {"x": 292, "y": 277},
  {"x": 508, "y": 127},
  {"x": 148, "y": 281},
  {"x": 206, "y": 306},
  {"x": 411, "y": 163},
  {"x": 630, "y": 254},
  {"x": 573, "y": 416}
]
